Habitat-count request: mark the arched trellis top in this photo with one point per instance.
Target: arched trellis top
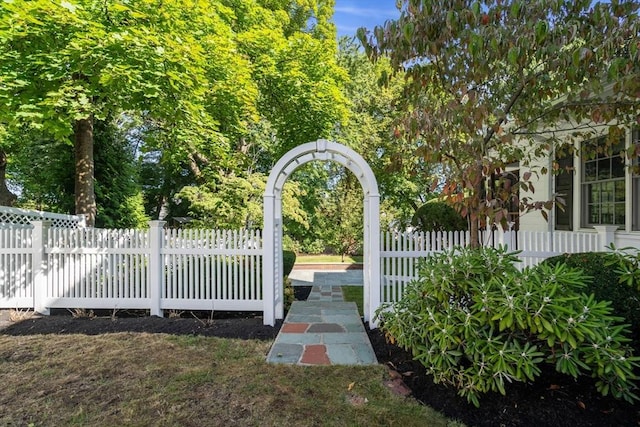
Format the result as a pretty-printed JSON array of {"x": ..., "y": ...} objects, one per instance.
[
  {"x": 325, "y": 151},
  {"x": 272, "y": 280}
]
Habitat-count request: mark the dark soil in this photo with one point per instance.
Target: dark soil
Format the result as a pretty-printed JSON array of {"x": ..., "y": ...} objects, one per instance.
[{"x": 553, "y": 400}]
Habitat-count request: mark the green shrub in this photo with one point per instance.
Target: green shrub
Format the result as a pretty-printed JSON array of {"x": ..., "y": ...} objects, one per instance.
[
  {"x": 608, "y": 282},
  {"x": 476, "y": 322},
  {"x": 438, "y": 216},
  {"x": 288, "y": 260},
  {"x": 313, "y": 246},
  {"x": 289, "y": 294}
]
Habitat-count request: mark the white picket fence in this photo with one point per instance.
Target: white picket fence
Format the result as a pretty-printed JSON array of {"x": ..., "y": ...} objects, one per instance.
[
  {"x": 401, "y": 253},
  {"x": 157, "y": 269},
  {"x": 153, "y": 269}
]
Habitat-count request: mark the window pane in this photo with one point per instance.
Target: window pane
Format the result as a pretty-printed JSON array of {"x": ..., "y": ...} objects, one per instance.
[
  {"x": 617, "y": 167},
  {"x": 619, "y": 191},
  {"x": 594, "y": 214},
  {"x": 619, "y": 214},
  {"x": 603, "y": 183},
  {"x": 593, "y": 193},
  {"x": 607, "y": 190},
  {"x": 590, "y": 171},
  {"x": 606, "y": 213},
  {"x": 635, "y": 210},
  {"x": 604, "y": 171}
]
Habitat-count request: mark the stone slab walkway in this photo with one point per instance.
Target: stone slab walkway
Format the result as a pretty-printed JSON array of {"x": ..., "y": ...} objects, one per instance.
[{"x": 324, "y": 330}]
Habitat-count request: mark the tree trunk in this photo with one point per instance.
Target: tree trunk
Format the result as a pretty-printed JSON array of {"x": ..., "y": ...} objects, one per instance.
[
  {"x": 7, "y": 198},
  {"x": 474, "y": 232},
  {"x": 84, "y": 185},
  {"x": 475, "y": 210}
]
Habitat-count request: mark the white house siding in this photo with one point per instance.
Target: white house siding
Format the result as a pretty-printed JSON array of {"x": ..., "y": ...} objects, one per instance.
[{"x": 534, "y": 221}]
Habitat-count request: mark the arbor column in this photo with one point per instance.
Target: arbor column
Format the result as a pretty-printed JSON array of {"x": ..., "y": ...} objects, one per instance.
[{"x": 84, "y": 176}]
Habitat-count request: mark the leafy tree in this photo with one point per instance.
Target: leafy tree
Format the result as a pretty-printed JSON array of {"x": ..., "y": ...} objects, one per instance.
[
  {"x": 295, "y": 69},
  {"x": 293, "y": 83},
  {"x": 492, "y": 82},
  {"x": 43, "y": 170},
  {"x": 7, "y": 198},
  {"x": 236, "y": 202},
  {"x": 66, "y": 65},
  {"x": 402, "y": 178},
  {"x": 344, "y": 218}
]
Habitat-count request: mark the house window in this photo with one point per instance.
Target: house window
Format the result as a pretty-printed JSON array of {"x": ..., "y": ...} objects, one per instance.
[
  {"x": 564, "y": 190},
  {"x": 603, "y": 186}
]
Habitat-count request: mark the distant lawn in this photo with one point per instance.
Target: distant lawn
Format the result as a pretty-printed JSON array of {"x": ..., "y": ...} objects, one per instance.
[
  {"x": 310, "y": 259},
  {"x": 354, "y": 294}
]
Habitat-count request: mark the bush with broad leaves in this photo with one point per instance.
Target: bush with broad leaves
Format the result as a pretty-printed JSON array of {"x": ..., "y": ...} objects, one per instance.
[{"x": 477, "y": 323}]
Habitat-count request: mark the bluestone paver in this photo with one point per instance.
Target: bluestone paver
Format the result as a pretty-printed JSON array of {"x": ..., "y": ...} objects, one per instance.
[{"x": 323, "y": 330}]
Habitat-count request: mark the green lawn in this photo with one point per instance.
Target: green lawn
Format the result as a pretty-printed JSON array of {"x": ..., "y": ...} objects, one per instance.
[
  {"x": 310, "y": 259},
  {"x": 164, "y": 380},
  {"x": 354, "y": 294}
]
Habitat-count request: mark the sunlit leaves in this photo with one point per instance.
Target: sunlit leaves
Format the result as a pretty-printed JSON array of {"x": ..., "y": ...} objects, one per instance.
[{"x": 486, "y": 77}]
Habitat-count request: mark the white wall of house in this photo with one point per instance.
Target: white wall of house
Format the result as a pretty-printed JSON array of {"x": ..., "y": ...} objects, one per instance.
[{"x": 534, "y": 221}]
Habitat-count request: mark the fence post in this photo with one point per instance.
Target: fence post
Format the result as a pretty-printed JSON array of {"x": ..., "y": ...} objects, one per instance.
[
  {"x": 39, "y": 265},
  {"x": 606, "y": 235},
  {"x": 268, "y": 260},
  {"x": 156, "y": 230}
]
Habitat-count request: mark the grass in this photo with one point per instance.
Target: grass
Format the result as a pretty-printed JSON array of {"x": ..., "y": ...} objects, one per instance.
[
  {"x": 164, "y": 380},
  {"x": 354, "y": 294},
  {"x": 310, "y": 259}
]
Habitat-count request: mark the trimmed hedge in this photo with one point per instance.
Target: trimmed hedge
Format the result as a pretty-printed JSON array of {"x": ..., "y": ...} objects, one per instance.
[
  {"x": 288, "y": 260},
  {"x": 438, "y": 216},
  {"x": 605, "y": 285}
]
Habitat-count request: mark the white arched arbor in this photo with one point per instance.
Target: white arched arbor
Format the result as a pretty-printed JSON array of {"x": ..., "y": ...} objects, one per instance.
[{"x": 322, "y": 150}]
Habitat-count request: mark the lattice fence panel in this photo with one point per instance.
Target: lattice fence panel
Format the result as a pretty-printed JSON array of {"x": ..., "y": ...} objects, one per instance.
[{"x": 21, "y": 218}]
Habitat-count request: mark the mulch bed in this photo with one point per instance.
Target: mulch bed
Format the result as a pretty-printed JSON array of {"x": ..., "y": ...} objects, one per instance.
[{"x": 553, "y": 400}]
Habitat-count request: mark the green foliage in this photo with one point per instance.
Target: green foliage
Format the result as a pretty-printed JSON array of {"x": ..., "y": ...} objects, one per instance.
[
  {"x": 478, "y": 323},
  {"x": 626, "y": 262},
  {"x": 216, "y": 88},
  {"x": 288, "y": 261},
  {"x": 490, "y": 82},
  {"x": 438, "y": 216},
  {"x": 288, "y": 293},
  {"x": 43, "y": 169},
  {"x": 236, "y": 202},
  {"x": 607, "y": 281},
  {"x": 312, "y": 246},
  {"x": 118, "y": 192},
  {"x": 403, "y": 176}
]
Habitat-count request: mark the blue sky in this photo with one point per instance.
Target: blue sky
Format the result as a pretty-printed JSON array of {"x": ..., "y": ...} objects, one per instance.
[{"x": 352, "y": 14}]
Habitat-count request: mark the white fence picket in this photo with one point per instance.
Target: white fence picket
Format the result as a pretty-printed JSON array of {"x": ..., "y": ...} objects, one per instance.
[
  {"x": 16, "y": 274},
  {"x": 206, "y": 269},
  {"x": 400, "y": 252},
  {"x": 212, "y": 270}
]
